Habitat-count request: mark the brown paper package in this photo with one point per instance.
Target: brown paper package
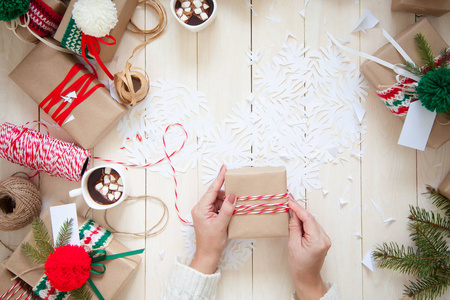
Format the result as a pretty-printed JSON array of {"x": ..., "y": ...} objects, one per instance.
[
  {"x": 444, "y": 187},
  {"x": 118, "y": 271},
  {"x": 43, "y": 69},
  {"x": 424, "y": 7},
  {"x": 57, "y": 5},
  {"x": 125, "y": 10},
  {"x": 252, "y": 182},
  {"x": 382, "y": 76},
  {"x": 6, "y": 282}
]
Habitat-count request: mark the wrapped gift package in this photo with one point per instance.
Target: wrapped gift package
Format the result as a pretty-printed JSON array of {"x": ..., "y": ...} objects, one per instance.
[
  {"x": 253, "y": 182},
  {"x": 7, "y": 282},
  {"x": 444, "y": 187},
  {"x": 381, "y": 77},
  {"x": 43, "y": 69},
  {"x": 70, "y": 36},
  {"x": 118, "y": 271},
  {"x": 424, "y": 7}
]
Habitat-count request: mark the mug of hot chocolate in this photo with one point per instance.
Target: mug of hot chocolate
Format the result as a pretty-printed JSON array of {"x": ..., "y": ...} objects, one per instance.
[
  {"x": 194, "y": 15},
  {"x": 103, "y": 187}
]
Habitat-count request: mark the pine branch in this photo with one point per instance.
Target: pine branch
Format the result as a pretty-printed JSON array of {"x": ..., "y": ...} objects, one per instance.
[
  {"x": 65, "y": 233},
  {"x": 42, "y": 238},
  {"x": 34, "y": 254},
  {"x": 391, "y": 256},
  {"x": 428, "y": 240},
  {"x": 425, "y": 51},
  {"x": 445, "y": 56},
  {"x": 425, "y": 218},
  {"x": 412, "y": 68},
  {"x": 82, "y": 293},
  {"x": 427, "y": 288},
  {"x": 439, "y": 200}
]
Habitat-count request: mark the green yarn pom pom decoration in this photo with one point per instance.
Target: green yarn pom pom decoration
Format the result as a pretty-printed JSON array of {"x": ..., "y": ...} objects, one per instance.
[
  {"x": 434, "y": 90},
  {"x": 11, "y": 9}
]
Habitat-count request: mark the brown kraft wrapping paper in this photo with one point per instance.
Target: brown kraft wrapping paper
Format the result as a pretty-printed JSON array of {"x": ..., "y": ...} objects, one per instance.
[
  {"x": 444, "y": 187},
  {"x": 118, "y": 271},
  {"x": 424, "y": 7},
  {"x": 125, "y": 10},
  {"x": 6, "y": 282},
  {"x": 43, "y": 69},
  {"x": 256, "y": 181},
  {"x": 379, "y": 75},
  {"x": 57, "y": 5}
]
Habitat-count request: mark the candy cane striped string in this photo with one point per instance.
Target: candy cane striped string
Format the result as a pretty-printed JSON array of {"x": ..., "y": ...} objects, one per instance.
[
  {"x": 168, "y": 157},
  {"x": 18, "y": 286},
  {"x": 262, "y": 208},
  {"x": 2, "y": 297}
]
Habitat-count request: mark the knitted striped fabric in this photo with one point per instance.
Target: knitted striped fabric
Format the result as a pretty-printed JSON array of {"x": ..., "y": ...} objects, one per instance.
[
  {"x": 72, "y": 37},
  {"x": 43, "y": 19},
  {"x": 93, "y": 236},
  {"x": 394, "y": 97}
]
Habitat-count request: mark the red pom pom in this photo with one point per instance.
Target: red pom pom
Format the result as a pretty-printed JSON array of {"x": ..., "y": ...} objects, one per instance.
[{"x": 68, "y": 267}]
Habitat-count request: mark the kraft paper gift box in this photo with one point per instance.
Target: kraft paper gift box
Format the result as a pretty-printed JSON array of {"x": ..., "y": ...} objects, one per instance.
[
  {"x": 424, "y": 7},
  {"x": 7, "y": 282},
  {"x": 118, "y": 271},
  {"x": 380, "y": 76},
  {"x": 67, "y": 34},
  {"x": 57, "y": 6},
  {"x": 254, "y": 182},
  {"x": 43, "y": 69},
  {"x": 444, "y": 187}
]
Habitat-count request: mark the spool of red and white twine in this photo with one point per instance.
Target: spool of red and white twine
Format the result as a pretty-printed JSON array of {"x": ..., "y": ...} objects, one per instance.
[{"x": 41, "y": 152}]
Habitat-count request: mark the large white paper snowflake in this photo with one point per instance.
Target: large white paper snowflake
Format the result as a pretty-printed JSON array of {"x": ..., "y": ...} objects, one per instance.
[{"x": 300, "y": 116}]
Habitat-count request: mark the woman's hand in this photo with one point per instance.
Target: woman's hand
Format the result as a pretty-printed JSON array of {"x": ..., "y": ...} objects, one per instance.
[
  {"x": 308, "y": 246},
  {"x": 211, "y": 216}
]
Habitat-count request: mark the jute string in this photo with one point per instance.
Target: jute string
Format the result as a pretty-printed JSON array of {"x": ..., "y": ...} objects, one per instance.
[
  {"x": 20, "y": 202},
  {"x": 155, "y": 230},
  {"x": 132, "y": 84}
]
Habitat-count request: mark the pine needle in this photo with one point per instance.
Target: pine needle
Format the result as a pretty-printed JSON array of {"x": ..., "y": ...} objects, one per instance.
[
  {"x": 425, "y": 218},
  {"x": 82, "y": 293},
  {"x": 65, "y": 233},
  {"x": 42, "y": 238},
  {"x": 412, "y": 68},
  {"x": 427, "y": 288},
  {"x": 425, "y": 51},
  {"x": 34, "y": 254},
  {"x": 439, "y": 200},
  {"x": 445, "y": 56}
]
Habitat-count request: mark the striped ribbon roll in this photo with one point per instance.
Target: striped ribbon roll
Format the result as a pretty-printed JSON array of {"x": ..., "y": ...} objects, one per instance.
[
  {"x": 262, "y": 208},
  {"x": 41, "y": 152}
]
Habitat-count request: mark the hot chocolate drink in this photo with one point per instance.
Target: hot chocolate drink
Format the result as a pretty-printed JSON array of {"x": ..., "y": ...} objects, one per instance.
[
  {"x": 105, "y": 186},
  {"x": 194, "y": 12}
]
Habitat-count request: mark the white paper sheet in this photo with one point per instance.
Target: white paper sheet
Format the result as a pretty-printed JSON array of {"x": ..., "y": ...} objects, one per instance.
[
  {"x": 417, "y": 127},
  {"x": 369, "y": 262},
  {"x": 61, "y": 213},
  {"x": 367, "y": 21}
]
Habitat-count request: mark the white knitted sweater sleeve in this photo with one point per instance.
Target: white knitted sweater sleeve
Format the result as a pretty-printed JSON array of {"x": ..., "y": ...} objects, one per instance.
[
  {"x": 185, "y": 283},
  {"x": 332, "y": 292}
]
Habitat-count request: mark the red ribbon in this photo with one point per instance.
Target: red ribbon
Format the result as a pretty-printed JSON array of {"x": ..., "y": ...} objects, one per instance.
[
  {"x": 80, "y": 86},
  {"x": 92, "y": 44}
]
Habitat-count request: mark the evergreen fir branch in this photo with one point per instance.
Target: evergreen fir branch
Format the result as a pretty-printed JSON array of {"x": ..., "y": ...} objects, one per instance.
[
  {"x": 428, "y": 240},
  {"x": 412, "y": 68},
  {"x": 34, "y": 254},
  {"x": 439, "y": 200},
  {"x": 65, "y": 233},
  {"x": 427, "y": 288},
  {"x": 82, "y": 293},
  {"x": 41, "y": 237},
  {"x": 423, "y": 217},
  {"x": 445, "y": 56},
  {"x": 425, "y": 51},
  {"x": 407, "y": 261}
]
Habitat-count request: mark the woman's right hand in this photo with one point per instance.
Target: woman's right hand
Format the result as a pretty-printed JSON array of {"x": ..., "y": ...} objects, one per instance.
[{"x": 308, "y": 246}]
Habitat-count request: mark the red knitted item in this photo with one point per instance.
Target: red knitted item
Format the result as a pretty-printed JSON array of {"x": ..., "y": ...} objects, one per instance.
[{"x": 43, "y": 19}]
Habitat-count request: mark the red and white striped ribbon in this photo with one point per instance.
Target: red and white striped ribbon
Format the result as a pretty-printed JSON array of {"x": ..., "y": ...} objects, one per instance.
[
  {"x": 168, "y": 157},
  {"x": 262, "y": 208}
]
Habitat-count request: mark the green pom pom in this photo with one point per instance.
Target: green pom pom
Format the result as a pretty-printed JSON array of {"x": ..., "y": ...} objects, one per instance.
[
  {"x": 11, "y": 9},
  {"x": 434, "y": 90}
]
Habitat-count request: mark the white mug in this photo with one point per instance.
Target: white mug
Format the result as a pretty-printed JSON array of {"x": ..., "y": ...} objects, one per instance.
[
  {"x": 83, "y": 190},
  {"x": 194, "y": 28}
]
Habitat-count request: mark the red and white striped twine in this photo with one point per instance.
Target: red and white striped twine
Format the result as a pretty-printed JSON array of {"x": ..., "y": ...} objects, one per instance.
[
  {"x": 41, "y": 152},
  {"x": 167, "y": 156},
  {"x": 17, "y": 287},
  {"x": 262, "y": 208}
]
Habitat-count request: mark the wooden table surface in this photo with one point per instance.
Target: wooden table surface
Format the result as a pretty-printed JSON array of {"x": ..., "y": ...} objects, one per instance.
[{"x": 213, "y": 61}]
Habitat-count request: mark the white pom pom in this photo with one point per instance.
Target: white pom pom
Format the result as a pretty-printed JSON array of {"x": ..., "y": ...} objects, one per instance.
[{"x": 95, "y": 17}]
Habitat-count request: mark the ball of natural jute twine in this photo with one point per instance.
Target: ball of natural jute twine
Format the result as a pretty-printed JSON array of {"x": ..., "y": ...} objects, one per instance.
[{"x": 20, "y": 203}]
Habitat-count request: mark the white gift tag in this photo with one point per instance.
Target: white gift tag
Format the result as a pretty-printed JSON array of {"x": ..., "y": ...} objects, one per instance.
[
  {"x": 417, "y": 127},
  {"x": 61, "y": 213}
]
